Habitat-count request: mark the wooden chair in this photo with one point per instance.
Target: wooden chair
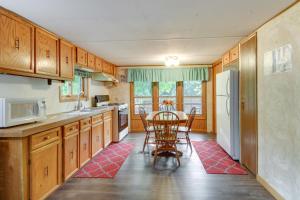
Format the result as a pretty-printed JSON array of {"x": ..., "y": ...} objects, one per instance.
[
  {"x": 148, "y": 129},
  {"x": 166, "y": 125},
  {"x": 187, "y": 128}
]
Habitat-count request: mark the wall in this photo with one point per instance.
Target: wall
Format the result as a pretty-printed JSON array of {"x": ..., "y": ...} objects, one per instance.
[
  {"x": 279, "y": 108},
  {"x": 24, "y": 87}
]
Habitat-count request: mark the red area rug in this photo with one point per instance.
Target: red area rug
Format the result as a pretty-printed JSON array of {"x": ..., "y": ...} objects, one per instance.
[
  {"x": 215, "y": 160},
  {"x": 107, "y": 163}
]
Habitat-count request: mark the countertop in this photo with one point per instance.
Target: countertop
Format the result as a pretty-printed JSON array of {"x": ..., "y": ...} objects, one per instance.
[{"x": 52, "y": 121}]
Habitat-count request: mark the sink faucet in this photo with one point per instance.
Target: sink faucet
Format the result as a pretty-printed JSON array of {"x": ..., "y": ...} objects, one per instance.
[{"x": 78, "y": 107}]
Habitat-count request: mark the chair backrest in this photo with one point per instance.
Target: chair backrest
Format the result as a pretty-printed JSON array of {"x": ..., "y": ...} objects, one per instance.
[
  {"x": 143, "y": 116},
  {"x": 191, "y": 118},
  {"x": 166, "y": 107},
  {"x": 166, "y": 125}
]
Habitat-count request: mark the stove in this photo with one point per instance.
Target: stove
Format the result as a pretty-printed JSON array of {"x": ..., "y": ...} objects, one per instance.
[{"x": 120, "y": 116}]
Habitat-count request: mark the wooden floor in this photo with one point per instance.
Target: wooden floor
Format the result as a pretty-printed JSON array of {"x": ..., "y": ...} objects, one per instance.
[{"x": 137, "y": 179}]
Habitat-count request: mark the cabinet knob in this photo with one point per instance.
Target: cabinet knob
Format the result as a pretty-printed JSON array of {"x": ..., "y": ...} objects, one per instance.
[
  {"x": 46, "y": 171},
  {"x": 84, "y": 147},
  {"x": 46, "y": 137},
  {"x": 71, "y": 154},
  {"x": 67, "y": 60},
  {"x": 17, "y": 43}
]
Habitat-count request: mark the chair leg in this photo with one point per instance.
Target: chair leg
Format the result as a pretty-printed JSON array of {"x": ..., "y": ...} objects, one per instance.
[
  {"x": 188, "y": 141},
  {"x": 155, "y": 154},
  {"x": 145, "y": 141},
  {"x": 177, "y": 155}
]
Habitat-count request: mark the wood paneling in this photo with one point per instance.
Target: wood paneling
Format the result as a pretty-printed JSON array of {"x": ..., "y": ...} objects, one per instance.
[
  {"x": 46, "y": 53},
  {"x": 66, "y": 59},
  {"x": 217, "y": 68},
  {"x": 91, "y": 61},
  {"x": 16, "y": 44},
  {"x": 248, "y": 107},
  {"x": 45, "y": 167},
  {"x": 81, "y": 56}
]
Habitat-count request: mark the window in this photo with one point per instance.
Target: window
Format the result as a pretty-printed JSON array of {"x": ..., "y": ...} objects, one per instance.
[
  {"x": 70, "y": 89},
  {"x": 142, "y": 96},
  {"x": 167, "y": 91},
  {"x": 192, "y": 96}
]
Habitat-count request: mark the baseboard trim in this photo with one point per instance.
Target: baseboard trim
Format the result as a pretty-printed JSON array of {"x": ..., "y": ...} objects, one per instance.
[{"x": 268, "y": 187}]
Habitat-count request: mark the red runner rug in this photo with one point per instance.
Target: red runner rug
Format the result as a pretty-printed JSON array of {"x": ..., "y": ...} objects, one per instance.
[
  {"x": 107, "y": 163},
  {"x": 215, "y": 160}
]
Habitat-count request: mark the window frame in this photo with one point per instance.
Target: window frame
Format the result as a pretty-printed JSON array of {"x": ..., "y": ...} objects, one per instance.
[
  {"x": 85, "y": 88},
  {"x": 176, "y": 95},
  {"x": 141, "y": 97},
  {"x": 199, "y": 97}
]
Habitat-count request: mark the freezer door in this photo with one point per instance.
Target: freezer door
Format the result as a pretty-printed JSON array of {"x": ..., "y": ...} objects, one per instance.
[{"x": 220, "y": 91}]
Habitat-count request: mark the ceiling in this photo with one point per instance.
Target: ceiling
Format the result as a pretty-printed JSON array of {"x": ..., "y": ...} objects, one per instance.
[{"x": 143, "y": 32}]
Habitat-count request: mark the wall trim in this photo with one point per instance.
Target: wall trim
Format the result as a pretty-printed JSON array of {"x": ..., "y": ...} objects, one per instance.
[{"x": 269, "y": 188}]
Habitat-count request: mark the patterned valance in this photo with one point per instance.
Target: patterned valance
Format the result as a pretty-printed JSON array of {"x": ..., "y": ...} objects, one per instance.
[
  {"x": 174, "y": 74},
  {"x": 83, "y": 74}
]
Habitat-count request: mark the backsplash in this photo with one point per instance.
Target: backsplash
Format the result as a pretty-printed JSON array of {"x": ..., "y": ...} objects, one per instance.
[{"x": 25, "y": 87}]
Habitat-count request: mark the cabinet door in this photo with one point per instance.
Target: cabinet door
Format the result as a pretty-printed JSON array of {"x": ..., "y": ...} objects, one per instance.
[
  {"x": 45, "y": 170},
  {"x": 91, "y": 61},
  {"x": 97, "y": 138},
  {"x": 226, "y": 59},
  {"x": 66, "y": 60},
  {"x": 98, "y": 64},
  {"x": 84, "y": 155},
  {"x": 16, "y": 44},
  {"x": 46, "y": 49},
  {"x": 107, "y": 131},
  {"x": 81, "y": 57},
  {"x": 70, "y": 155},
  {"x": 105, "y": 67},
  {"x": 234, "y": 54}
]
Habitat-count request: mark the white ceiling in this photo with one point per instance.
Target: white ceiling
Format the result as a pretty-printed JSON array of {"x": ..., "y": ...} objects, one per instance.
[{"x": 143, "y": 32}]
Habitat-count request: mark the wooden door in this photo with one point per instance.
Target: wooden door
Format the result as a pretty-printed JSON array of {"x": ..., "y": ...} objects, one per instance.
[
  {"x": 45, "y": 172},
  {"x": 81, "y": 56},
  {"x": 248, "y": 105},
  {"x": 46, "y": 50},
  {"x": 84, "y": 146},
  {"x": 97, "y": 137},
  {"x": 16, "y": 44},
  {"x": 66, "y": 60},
  {"x": 91, "y": 61},
  {"x": 70, "y": 155}
]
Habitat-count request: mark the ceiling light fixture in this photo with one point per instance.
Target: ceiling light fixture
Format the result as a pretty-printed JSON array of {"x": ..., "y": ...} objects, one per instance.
[{"x": 171, "y": 61}]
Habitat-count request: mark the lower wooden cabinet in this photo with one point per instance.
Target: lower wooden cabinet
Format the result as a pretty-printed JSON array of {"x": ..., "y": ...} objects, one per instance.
[
  {"x": 97, "y": 136},
  {"x": 70, "y": 149},
  {"x": 85, "y": 144},
  {"x": 45, "y": 165},
  {"x": 107, "y": 118}
]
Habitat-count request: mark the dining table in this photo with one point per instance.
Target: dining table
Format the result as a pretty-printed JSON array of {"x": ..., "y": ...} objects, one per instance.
[{"x": 183, "y": 118}]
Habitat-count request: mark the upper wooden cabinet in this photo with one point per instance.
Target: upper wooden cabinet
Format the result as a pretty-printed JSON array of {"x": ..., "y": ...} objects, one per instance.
[
  {"x": 66, "y": 59},
  {"x": 46, "y": 51},
  {"x": 16, "y": 43},
  {"x": 230, "y": 56},
  {"x": 81, "y": 56},
  {"x": 226, "y": 58},
  {"x": 91, "y": 61},
  {"x": 108, "y": 68},
  {"x": 98, "y": 64}
]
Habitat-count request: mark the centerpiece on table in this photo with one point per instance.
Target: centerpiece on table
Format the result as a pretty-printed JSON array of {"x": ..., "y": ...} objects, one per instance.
[{"x": 168, "y": 105}]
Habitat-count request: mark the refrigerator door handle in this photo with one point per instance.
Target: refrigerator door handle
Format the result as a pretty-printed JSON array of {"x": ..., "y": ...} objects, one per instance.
[
  {"x": 227, "y": 84},
  {"x": 227, "y": 109}
]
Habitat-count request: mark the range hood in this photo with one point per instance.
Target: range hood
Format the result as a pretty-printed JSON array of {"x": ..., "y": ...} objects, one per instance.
[{"x": 103, "y": 77}]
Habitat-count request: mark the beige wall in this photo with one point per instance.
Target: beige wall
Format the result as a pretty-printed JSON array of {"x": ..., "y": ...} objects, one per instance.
[
  {"x": 279, "y": 108},
  {"x": 24, "y": 87}
]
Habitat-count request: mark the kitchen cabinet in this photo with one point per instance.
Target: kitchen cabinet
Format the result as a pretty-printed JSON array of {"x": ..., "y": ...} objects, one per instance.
[
  {"x": 234, "y": 54},
  {"x": 16, "y": 44},
  {"x": 85, "y": 141},
  {"x": 106, "y": 67},
  {"x": 45, "y": 163},
  {"x": 46, "y": 52},
  {"x": 81, "y": 56},
  {"x": 70, "y": 149},
  {"x": 66, "y": 59},
  {"x": 98, "y": 64},
  {"x": 226, "y": 58},
  {"x": 97, "y": 134},
  {"x": 91, "y": 61},
  {"x": 107, "y": 123}
]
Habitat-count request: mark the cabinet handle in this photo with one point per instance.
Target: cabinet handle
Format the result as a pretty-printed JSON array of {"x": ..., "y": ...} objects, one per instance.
[
  {"x": 84, "y": 147},
  {"x": 71, "y": 155},
  {"x": 46, "y": 137},
  {"x": 17, "y": 43},
  {"x": 47, "y": 53},
  {"x": 46, "y": 171},
  {"x": 67, "y": 60}
]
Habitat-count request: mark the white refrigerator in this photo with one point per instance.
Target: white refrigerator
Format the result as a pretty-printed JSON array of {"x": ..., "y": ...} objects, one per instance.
[{"x": 227, "y": 91}]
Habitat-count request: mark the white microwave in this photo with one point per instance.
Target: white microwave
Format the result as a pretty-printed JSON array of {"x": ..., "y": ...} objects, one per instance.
[{"x": 16, "y": 111}]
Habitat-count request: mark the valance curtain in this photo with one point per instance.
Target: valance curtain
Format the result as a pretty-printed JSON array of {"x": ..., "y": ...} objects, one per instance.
[
  {"x": 83, "y": 74},
  {"x": 175, "y": 74}
]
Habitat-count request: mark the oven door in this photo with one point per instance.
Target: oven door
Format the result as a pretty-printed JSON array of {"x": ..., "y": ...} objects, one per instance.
[{"x": 122, "y": 119}]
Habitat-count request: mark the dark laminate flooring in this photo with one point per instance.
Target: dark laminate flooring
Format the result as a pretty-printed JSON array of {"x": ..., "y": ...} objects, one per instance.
[{"x": 137, "y": 179}]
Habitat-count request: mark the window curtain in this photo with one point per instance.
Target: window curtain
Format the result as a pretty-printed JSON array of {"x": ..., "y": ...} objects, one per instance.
[
  {"x": 83, "y": 74},
  {"x": 175, "y": 74}
]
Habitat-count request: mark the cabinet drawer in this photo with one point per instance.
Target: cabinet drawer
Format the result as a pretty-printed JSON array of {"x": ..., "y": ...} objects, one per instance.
[
  {"x": 44, "y": 138},
  {"x": 107, "y": 115},
  {"x": 226, "y": 58},
  {"x": 234, "y": 54},
  {"x": 85, "y": 123},
  {"x": 97, "y": 118},
  {"x": 71, "y": 128}
]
